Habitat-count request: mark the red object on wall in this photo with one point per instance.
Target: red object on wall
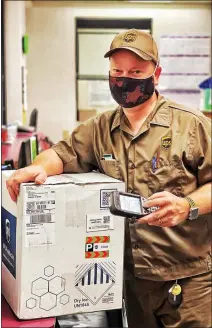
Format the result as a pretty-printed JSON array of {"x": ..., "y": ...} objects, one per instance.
[
  {"x": 11, "y": 151},
  {"x": 4, "y": 134}
]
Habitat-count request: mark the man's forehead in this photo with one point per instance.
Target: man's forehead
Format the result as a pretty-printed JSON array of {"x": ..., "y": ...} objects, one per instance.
[{"x": 132, "y": 61}]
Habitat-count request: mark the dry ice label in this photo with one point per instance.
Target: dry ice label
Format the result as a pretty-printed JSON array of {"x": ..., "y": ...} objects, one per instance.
[
  {"x": 94, "y": 280},
  {"x": 97, "y": 247}
]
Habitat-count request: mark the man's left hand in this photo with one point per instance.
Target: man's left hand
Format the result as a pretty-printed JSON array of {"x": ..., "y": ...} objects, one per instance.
[{"x": 172, "y": 210}]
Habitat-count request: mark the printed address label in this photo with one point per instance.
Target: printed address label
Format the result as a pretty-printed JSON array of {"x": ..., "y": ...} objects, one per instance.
[{"x": 97, "y": 222}]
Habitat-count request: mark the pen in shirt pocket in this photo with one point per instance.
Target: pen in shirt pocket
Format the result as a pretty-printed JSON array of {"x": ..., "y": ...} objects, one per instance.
[{"x": 154, "y": 163}]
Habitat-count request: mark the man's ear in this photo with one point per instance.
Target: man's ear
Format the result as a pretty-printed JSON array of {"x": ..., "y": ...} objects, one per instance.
[{"x": 157, "y": 75}]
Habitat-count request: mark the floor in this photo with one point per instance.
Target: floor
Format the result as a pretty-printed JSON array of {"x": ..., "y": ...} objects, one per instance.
[
  {"x": 94, "y": 319},
  {"x": 101, "y": 319}
]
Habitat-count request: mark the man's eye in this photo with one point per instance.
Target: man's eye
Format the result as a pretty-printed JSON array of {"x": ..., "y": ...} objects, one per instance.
[{"x": 137, "y": 72}]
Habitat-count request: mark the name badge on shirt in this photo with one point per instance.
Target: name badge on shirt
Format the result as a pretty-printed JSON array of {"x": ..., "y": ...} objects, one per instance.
[{"x": 108, "y": 157}]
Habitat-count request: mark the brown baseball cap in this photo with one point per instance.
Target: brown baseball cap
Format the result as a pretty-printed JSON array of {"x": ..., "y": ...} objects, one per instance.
[{"x": 139, "y": 42}]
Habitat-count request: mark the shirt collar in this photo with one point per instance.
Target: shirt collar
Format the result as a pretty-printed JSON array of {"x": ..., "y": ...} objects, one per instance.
[
  {"x": 159, "y": 116},
  {"x": 117, "y": 118}
]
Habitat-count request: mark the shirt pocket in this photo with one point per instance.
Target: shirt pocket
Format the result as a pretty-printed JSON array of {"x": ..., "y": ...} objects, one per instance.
[
  {"x": 110, "y": 168},
  {"x": 167, "y": 176}
]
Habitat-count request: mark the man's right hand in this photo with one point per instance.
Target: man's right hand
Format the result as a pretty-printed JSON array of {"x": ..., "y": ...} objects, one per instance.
[{"x": 34, "y": 173}]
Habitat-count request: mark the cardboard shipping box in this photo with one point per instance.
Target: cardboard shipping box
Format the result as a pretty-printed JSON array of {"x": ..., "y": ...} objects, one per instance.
[{"x": 62, "y": 250}]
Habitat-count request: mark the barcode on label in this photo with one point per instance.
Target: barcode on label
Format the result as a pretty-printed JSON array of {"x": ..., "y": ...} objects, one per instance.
[
  {"x": 98, "y": 222},
  {"x": 30, "y": 206},
  {"x": 41, "y": 207},
  {"x": 104, "y": 197},
  {"x": 46, "y": 202},
  {"x": 43, "y": 202},
  {"x": 40, "y": 218},
  {"x": 106, "y": 219}
]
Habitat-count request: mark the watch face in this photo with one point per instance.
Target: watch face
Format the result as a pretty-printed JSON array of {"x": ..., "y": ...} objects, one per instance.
[{"x": 194, "y": 213}]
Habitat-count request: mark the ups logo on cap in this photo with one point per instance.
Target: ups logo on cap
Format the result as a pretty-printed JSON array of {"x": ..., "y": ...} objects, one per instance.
[
  {"x": 130, "y": 36},
  {"x": 166, "y": 142}
]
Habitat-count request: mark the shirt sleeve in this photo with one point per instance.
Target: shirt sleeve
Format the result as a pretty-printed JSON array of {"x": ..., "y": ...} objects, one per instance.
[
  {"x": 77, "y": 151},
  {"x": 198, "y": 154}
]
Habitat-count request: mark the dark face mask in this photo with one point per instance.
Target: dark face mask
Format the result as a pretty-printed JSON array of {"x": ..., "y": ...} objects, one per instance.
[{"x": 129, "y": 93}]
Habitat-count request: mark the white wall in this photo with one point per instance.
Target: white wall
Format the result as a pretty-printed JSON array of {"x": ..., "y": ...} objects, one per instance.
[
  {"x": 51, "y": 58},
  {"x": 14, "y": 30}
]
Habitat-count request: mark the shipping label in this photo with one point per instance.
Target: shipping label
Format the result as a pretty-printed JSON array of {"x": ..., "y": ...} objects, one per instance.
[
  {"x": 39, "y": 212},
  {"x": 98, "y": 222}
]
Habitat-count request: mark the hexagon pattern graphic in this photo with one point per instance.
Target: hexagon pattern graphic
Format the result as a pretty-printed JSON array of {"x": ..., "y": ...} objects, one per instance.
[
  {"x": 40, "y": 286},
  {"x": 56, "y": 285},
  {"x": 48, "y": 301},
  {"x": 48, "y": 291},
  {"x": 31, "y": 303},
  {"x": 64, "y": 299},
  {"x": 48, "y": 271}
]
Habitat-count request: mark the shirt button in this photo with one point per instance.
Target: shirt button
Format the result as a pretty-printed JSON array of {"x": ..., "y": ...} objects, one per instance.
[
  {"x": 135, "y": 246},
  {"x": 132, "y": 166}
]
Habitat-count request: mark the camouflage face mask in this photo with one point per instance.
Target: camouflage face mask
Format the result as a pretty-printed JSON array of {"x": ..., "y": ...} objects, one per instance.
[{"x": 129, "y": 92}]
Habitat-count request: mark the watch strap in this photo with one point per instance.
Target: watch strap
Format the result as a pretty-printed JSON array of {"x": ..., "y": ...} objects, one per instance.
[
  {"x": 194, "y": 211},
  {"x": 190, "y": 201}
]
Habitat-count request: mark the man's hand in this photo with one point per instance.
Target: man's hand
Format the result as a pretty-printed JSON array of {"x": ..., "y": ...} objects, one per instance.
[
  {"x": 30, "y": 173},
  {"x": 172, "y": 210}
]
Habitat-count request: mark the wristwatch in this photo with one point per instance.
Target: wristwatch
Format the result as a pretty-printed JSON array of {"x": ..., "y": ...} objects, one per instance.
[{"x": 194, "y": 210}]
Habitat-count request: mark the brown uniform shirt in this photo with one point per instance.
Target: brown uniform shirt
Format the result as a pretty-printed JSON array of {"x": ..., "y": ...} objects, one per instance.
[{"x": 172, "y": 152}]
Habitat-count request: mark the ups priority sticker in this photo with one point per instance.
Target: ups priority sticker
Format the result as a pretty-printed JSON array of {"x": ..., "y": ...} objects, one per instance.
[
  {"x": 97, "y": 247},
  {"x": 166, "y": 142},
  {"x": 130, "y": 36}
]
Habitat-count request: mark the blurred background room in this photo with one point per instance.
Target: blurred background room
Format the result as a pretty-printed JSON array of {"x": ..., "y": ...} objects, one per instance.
[{"x": 54, "y": 72}]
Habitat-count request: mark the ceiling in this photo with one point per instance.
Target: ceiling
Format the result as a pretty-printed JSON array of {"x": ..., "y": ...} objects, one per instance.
[{"x": 31, "y": 3}]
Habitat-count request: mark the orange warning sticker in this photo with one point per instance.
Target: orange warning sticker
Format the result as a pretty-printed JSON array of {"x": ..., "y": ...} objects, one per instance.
[
  {"x": 96, "y": 255},
  {"x": 97, "y": 247},
  {"x": 98, "y": 239}
]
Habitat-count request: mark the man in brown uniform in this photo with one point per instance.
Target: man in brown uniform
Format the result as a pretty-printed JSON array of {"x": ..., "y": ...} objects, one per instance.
[{"x": 162, "y": 151}]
